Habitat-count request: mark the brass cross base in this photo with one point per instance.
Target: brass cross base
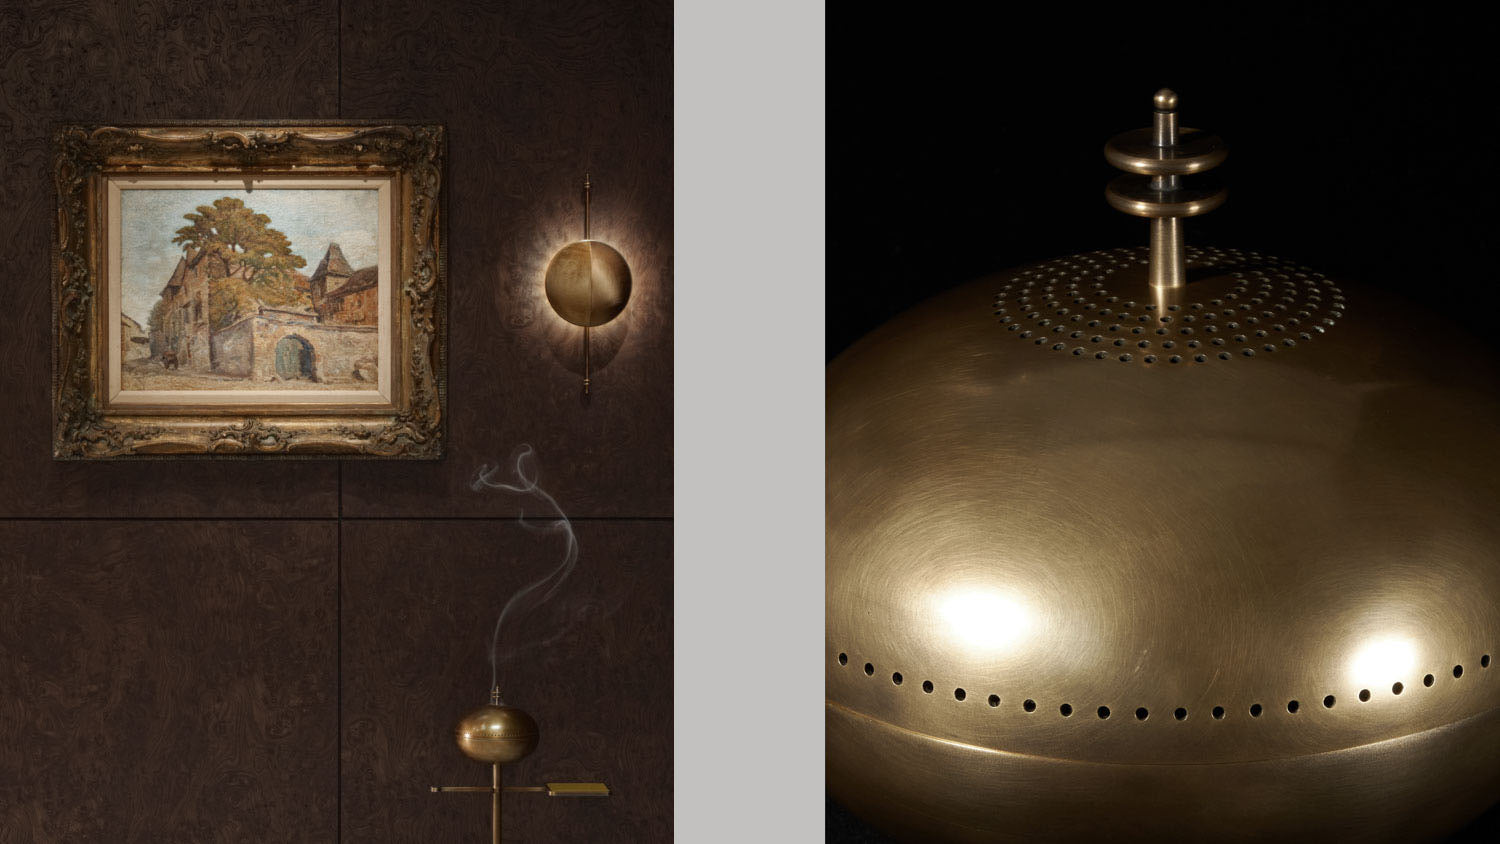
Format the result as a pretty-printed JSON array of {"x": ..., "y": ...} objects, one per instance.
[{"x": 551, "y": 789}]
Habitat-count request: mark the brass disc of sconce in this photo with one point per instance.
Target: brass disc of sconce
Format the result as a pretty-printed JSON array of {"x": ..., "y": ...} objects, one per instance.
[
  {"x": 502, "y": 734},
  {"x": 588, "y": 283}
]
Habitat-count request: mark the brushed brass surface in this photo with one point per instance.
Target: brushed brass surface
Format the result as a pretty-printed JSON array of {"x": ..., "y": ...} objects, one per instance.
[
  {"x": 1213, "y": 563},
  {"x": 588, "y": 283}
]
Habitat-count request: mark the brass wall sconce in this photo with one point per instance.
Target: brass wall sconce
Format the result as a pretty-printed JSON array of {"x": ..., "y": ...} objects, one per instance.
[
  {"x": 497, "y": 735},
  {"x": 588, "y": 282}
]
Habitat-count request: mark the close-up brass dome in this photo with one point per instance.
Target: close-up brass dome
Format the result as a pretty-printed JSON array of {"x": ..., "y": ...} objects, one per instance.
[{"x": 1164, "y": 544}]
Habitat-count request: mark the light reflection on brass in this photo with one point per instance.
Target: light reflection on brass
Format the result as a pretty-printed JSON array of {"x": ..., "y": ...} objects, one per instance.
[
  {"x": 982, "y": 619},
  {"x": 1383, "y": 661},
  {"x": 1221, "y": 586}
]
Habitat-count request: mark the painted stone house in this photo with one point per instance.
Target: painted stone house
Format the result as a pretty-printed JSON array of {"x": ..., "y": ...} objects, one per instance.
[
  {"x": 333, "y": 340},
  {"x": 134, "y": 344},
  {"x": 341, "y": 294},
  {"x": 183, "y": 327}
]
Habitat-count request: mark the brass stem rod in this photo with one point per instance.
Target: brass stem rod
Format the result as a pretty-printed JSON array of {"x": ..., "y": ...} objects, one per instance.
[
  {"x": 587, "y": 197},
  {"x": 1164, "y": 124},
  {"x": 1166, "y": 267},
  {"x": 495, "y": 801}
]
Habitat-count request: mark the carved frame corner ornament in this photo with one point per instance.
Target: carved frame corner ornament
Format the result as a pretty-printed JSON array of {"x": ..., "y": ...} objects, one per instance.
[{"x": 408, "y": 423}]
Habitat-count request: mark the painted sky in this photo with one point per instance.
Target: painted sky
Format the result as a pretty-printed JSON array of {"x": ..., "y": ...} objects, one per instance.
[{"x": 310, "y": 219}]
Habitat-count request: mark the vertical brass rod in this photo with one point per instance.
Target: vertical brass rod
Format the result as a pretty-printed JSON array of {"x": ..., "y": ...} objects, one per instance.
[
  {"x": 1166, "y": 267},
  {"x": 1164, "y": 125},
  {"x": 587, "y": 196},
  {"x": 495, "y": 800},
  {"x": 1166, "y": 252}
]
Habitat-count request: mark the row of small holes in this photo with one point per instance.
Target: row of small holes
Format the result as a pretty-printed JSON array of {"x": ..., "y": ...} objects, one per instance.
[{"x": 1181, "y": 714}]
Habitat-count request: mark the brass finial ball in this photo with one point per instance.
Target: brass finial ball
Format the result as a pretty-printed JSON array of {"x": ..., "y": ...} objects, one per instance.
[
  {"x": 1166, "y": 100},
  {"x": 492, "y": 733}
]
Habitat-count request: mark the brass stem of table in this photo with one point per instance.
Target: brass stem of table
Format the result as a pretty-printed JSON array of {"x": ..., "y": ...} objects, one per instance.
[{"x": 495, "y": 803}]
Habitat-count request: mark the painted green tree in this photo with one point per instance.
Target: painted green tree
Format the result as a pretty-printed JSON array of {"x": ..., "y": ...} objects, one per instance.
[{"x": 251, "y": 262}]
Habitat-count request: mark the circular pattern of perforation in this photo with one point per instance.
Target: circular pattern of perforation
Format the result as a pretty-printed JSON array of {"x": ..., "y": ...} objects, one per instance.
[{"x": 1243, "y": 304}]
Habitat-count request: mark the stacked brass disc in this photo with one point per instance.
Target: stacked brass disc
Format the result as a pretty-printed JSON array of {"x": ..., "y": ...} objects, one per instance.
[{"x": 1156, "y": 160}]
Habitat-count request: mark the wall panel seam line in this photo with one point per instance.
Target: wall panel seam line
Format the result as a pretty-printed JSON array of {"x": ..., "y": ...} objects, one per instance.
[
  {"x": 338, "y": 51},
  {"x": 338, "y": 585},
  {"x": 334, "y": 518}
]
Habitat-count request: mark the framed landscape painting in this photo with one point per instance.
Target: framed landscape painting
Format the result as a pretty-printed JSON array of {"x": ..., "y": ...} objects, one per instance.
[{"x": 267, "y": 289}]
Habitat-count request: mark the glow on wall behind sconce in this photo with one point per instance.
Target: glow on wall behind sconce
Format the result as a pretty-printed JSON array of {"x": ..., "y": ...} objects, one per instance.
[{"x": 617, "y": 220}]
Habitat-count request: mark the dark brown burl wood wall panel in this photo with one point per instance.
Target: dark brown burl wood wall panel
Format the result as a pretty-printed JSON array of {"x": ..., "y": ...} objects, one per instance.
[
  {"x": 593, "y": 665},
  {"x": 104, "y": 61},
  {"x": 534, "y": 93},
  {"x": 168, "y": 681},
  {"x": 168, "y": 677}
]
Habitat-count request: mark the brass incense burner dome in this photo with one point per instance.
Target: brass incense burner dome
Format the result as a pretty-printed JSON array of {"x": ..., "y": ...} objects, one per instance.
[
  {"x": 1169, "y": 544},
  {"x": 495, "y": 733}
]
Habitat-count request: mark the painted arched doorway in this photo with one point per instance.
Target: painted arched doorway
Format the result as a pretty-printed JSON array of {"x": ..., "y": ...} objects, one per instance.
[{"x": 294, "y": 358}]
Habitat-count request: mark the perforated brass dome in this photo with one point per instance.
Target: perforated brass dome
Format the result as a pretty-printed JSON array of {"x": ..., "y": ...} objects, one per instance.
[{"x": 1107, "y": 561}]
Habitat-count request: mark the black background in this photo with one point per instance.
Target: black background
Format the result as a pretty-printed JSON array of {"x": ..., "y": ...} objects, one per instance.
[{"x": 1362, "y": 143}]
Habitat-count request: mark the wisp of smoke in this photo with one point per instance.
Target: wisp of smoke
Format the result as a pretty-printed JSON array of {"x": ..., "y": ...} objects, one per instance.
[{"x": 538, "y": 591}]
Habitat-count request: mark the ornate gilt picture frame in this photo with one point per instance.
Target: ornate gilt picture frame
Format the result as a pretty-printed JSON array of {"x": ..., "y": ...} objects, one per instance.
[{"x": 249, "y": 289}]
